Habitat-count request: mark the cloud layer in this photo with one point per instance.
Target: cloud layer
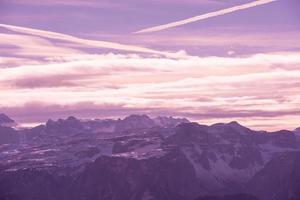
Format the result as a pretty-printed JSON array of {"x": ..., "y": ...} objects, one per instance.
[{"x": 261, "y": 87}]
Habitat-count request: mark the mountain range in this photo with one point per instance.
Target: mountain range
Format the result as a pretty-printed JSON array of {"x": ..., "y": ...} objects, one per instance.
[{"x": 143, "y": 158}]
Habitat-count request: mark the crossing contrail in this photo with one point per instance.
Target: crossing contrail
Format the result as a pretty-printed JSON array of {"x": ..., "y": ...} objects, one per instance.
[{"x": 205, "y": 16}]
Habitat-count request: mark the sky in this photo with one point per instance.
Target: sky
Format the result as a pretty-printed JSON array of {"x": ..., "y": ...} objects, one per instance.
[{"x": 208, "y": 60}]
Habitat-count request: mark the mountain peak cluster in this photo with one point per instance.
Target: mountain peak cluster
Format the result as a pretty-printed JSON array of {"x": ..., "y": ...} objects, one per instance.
[{"x": 144, "y": 158}]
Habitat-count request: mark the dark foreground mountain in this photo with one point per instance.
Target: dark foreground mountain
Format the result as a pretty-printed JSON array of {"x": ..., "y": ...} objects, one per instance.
[
  {"x": 229, "y": 197},
  {"x": 141, "y": 158}
]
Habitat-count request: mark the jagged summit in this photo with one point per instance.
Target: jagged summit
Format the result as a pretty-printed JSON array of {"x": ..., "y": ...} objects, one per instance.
[
  {"x": 230, "y": 124},
  {"x": 69, "y": 120},
  {"x": 137, "y": 117},
  {"x": 231, "y": 127},
  {"x": 169, "y": 121},
  {"x": 134, "y": 122},
  {"x": 5, "y": 119},
  {"x": 72, "y": 118},
  {"x": 234, "y": 123}
]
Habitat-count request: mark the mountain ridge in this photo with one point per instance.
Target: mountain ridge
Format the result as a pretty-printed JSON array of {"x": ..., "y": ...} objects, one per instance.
[{"x": 152, "y": 158}]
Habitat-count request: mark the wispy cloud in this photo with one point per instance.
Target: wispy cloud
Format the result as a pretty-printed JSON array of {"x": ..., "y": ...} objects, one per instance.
[
  {"x": 135, "y": 68},
  {"x": 86, "y": 42},
  {"x": 33, "y": 46},
  {"x": 205, "y": 16},
  {"x": 7, "y": 62},
  {"x": 70, "y": 3}
]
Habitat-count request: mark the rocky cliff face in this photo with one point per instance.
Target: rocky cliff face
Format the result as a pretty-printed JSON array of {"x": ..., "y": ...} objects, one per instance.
[
  {"x": 279, "y": 179},
  {"x": 169, "y": 177},
  {"x": 143, "y": 158},
  {"x": 8, "y": 135}
]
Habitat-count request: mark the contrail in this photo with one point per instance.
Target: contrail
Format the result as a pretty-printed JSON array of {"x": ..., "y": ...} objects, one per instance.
[
  {"x": 91, "y": 43},
  {"x": 205, "y": 16}
]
